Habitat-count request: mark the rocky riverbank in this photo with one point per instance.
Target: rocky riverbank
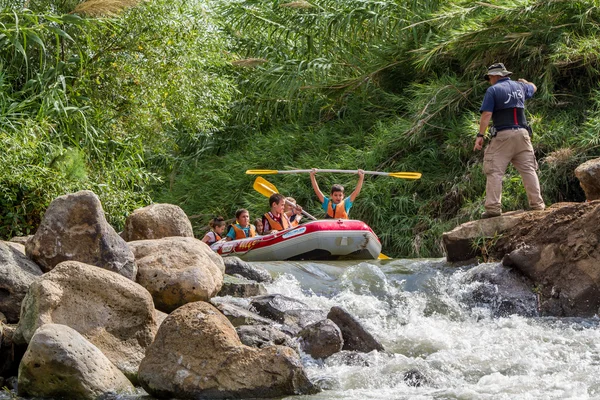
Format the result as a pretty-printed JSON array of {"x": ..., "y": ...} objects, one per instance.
[
  {"x": 555, "y": 252},
  {"x": 88, "y": 312}
]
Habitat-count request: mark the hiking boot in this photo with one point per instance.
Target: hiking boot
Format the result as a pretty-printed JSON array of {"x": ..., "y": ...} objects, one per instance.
[{"x": 490, "y": 214}]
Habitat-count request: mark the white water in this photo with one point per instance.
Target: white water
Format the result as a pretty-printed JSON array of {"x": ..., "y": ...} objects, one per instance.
[{"x": 414, "y": 308}]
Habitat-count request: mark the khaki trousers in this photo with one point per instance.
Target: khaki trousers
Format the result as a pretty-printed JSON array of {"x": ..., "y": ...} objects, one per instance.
[{"x": 510, "y": 145}]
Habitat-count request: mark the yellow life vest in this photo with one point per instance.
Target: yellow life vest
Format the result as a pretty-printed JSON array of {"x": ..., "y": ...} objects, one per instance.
[
  {"x": 240, "y": 234},
  {"x": 285, "y": 222},
  {"x": 340, "y": 210}
]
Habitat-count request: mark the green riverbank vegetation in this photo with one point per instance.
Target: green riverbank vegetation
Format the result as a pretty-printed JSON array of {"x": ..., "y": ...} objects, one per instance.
[{"x": 172, "y": 101}]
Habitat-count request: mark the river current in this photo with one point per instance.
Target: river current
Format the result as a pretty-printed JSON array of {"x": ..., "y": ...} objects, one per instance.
[{"x": 420, "y": 310}]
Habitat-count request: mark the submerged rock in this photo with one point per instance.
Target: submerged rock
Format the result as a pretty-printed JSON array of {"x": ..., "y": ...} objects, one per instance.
[
  {"x": 59, "y": 362},
  {"x": 197, "y": 354},
  {"x": 321, "y": 339},
  {"x": 503, "y": 290},
  {"x": 356, "y": 337}
]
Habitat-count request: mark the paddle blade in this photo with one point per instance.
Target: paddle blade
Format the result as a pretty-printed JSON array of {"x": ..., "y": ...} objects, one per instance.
[
  {"x": 264, "y": 187},
  {"x": 383, "y": 257},
  {"x": 261, "y": 172},
  {"x": 405, "y": 175}
]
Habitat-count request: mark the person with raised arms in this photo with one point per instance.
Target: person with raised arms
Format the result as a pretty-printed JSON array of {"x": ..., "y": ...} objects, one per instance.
[{"x": 336, "y": 207}]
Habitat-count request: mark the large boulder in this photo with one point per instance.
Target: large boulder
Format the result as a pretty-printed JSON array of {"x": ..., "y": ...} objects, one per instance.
[
  {"x": 197, "y": 354},
  {"x": 559, "y": 250},
  {"x": 356, "y": 336},
  {"x": 178, "y": 270},
  {"x": 470, "y": 239},
  {"x": 114, "y": 313},
  {"x": 74, "y": 228},
  {"x": 157, "y": 221},
  {"x": 59, "y": 362},
  {"x": 588, "y": 174},
  {"x": 17, "y": 272}
]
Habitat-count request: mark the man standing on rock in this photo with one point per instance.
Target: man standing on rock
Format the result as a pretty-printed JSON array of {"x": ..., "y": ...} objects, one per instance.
[{"x": 504, "y": 104}]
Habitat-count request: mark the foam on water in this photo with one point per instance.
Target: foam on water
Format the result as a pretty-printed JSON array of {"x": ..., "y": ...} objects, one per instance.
[{"x": 463, "y": 353}]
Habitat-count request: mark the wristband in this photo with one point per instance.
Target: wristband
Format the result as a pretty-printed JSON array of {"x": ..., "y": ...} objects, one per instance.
[{"x": 480, "y": 135}]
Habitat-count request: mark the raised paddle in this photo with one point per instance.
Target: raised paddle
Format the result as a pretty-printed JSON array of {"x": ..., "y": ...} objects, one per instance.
[
  {"x": 267, "y": 189},
  {"x": 401, "y": 175}
]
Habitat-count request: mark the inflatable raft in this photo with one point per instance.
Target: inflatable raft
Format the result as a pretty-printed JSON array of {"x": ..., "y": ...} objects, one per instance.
[{"x": 328, "y": 239}]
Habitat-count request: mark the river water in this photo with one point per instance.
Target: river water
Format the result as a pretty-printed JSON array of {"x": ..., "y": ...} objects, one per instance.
[{"x": 420, "y": 311}]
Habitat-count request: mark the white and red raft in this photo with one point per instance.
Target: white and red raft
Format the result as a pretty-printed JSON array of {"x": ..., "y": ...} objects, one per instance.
[{"x": 328, "y": 239}]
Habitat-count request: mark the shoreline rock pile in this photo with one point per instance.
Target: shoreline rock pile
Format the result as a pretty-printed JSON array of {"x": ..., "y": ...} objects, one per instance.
[{"x": 90, "y": 313}]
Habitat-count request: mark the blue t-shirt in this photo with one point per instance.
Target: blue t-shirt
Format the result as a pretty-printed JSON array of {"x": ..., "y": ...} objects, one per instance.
[
  {"x": 231, "y": 233},
  {"x": 506, "y": 94},
  {"x": 347, "y": 204}
]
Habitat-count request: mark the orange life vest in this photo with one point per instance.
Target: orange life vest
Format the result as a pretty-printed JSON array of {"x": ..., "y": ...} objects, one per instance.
[
  {"x": 285, "y": 222},
  {"x": 216, "y": 236},
  {"x": 340, "y": 210},
  {"x": 240, "y": 234}
]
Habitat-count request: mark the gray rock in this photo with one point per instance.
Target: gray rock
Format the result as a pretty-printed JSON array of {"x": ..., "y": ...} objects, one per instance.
[
  {"x": 157, "y": 221},
  {"x": 74, "y": 228},
  {"x": 254, "y": 272},
  {"x": 17, "y": 272},
  {"x": 21, "y": 239},
  {"x": 111, "y": 311},
  {"x": 239, "y": 316},
  {"x": 59, "y": 362},
  {"x": 295, "y": 320},
  {"x": 273, "y": 306},
  {"x": 260, "y": 336},
  {"x": 177, "y": 270},
  {"x": 588, "y": 174},
  {"x": 241, "y": 287},
  {"x": 356, "y": 337},
  {"x": 321, "y": 339},
  {"x": 198, "y": 354}
]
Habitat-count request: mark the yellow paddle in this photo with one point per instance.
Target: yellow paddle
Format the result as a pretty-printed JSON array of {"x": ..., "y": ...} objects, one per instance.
[
  {"x": 267, "y": 189},
  {"x": 402, "y": 175}
]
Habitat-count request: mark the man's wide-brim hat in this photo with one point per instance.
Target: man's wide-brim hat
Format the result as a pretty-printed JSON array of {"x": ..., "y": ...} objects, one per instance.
[{"x": 496, "y": 69}]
